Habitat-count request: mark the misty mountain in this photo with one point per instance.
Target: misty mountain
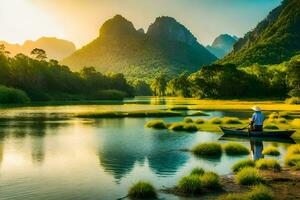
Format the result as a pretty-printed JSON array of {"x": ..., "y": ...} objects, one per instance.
[{"x": 222, "y": 45}]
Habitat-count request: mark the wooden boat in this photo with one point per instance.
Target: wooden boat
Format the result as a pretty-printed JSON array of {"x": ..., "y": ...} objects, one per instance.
[{"x": 265, "y": 134}]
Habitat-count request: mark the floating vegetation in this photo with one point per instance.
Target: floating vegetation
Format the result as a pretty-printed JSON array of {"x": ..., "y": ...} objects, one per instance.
[
  {"x": 188, "y": 120},
  {"x": 232, "y": 120},
  {"x": 271, "y": 151},
  {"x": 197, "y": 171},
  {"x": 268, "y": 164},
  {"x": 179, "y": 108},
  {"x": 199, "y": 121},
  {"x": 156, "y": 124},
  {"x": 182, "y": 126},
  {"x": 212, "y": 149},
  {"x": 215, "y": 120},
  {"x": 248, "y": 176},
  {"x": 242, "y": 164},
  {"x": 142, "y": 190},
  {"x": 234, "y": 148}
]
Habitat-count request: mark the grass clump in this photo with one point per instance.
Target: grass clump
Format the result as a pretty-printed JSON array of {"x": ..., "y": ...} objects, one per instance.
[
  {"x": 292, "y": 160},
  {"x": 190, "y": 185},
  {"x": 267, "y": 163},
  {"x": 142, "y": 190},
  {"x": 233, "y": 196},
  {"x": 271, "y": 126},
  {"x": 197, "y": 171},
  {"x": 260, "y": 192},
  {"x": 12, "y": 96},
  {"x": 248, "y": 176},
  {"x": 188, "y": 120},
  {"x": 182, "y": 126},
  {"x": 199, "y": 113},
  {"x": 208, "y": 149},
  {"x": 293, "y": 100},
  {"x": 233, "y": 148},
  {"x": 157, "y": 124},
  {"x": 190, "y": 128},
  {"x": 271, "y": 151},
  {"x": 242, "y": 164},
  {"x": 179, "y": 108},
  {"x": 216, "y": 120},
  {"x": 210, "y": 180},
  {"x": 296, "y": 123},
  {"x": 231, "y": 120},
  {"x": 294, "y": 149},
  {"x": 199, "y": 121},
  {"x": 281, "y": 120}
]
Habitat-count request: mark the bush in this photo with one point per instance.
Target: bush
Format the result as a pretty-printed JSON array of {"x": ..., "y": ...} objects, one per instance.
[
  {"x": 208, "y": 149},
  {"x": 181, "y": 126},
  {"x": 215, "y": 120},
  {"x": 260, "y": 192},
  {"x": 12, "y": 96},
  {"x": 199, "y": 121},
  {"x": 157, "y": 124},
  {"x": 231, "y": 120},
  {"x": 293, "y": 100},
  {"x": 199, "y": 113},
  {"x": 271, "y": 126},
  {"x": 242, "y": 164},
  {"x": 292, "y": 160},
  {"x": 233, "y": 148},
  {"x": 188, "y": 120},
  {"x": 108, "y": 95},
  {"x": 296, "y": 123},
  {"x": 197, "y": 171},
  {"x": 142, "y": 190},
  {"x": 210, "y": 180},
  {"x": 190, "y": 185},
  {"x": 270, "y": 150},
  {"x": 233, "y": 196},
  {"x": 248, "y": 176},
  {"x": 190, "y": 128},
  {"x": 267, "y": 163}
]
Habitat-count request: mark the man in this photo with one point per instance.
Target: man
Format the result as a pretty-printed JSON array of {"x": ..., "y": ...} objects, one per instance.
[{"x": 257, "y": 120}]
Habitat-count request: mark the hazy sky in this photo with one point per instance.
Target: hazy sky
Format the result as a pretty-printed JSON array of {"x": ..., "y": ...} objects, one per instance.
[{"x": 80, "y": 20}]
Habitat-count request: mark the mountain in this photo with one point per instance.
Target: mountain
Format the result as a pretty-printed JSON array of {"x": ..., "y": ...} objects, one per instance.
[
  {"x": 55, "y": 48},
  {"x": 274, "y": 40},
  {"x": 222, "y": 45},
  {"x": 166, "y": 47}
]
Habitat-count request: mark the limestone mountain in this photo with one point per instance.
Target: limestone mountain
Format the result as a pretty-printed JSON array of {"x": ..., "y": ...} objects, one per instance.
[
  {"x": 274, "y": 40},
  {"x": 166, "y": 47},
  {"x": 222, "y": 45},
  {"x": 54, "y": 47}
]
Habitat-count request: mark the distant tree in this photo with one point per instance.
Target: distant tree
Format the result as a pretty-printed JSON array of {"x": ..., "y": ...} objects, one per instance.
[
  {"x": 179, "y": 86},
  {"x": 141, "y": 88},
  {"x": 293, "y": 74},
  {"x": 158, "y": 85},
  {"x": 39, "y": 54}
]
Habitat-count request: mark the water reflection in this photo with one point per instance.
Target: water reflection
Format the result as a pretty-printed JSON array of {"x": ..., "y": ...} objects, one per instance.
[{"x": 257, "y": 148}]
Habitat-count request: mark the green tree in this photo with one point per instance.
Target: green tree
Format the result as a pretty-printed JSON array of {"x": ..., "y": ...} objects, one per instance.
[
  {"x": 158, "y": 85},
  {"x": 39, "y": 54}
]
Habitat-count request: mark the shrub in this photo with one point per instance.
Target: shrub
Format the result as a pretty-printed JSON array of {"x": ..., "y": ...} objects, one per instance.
[
  {"x": 157, "y": 124},
  {"x": 248, "y": 176},
  {"x": 242, "y": 164},
  {"x": 208, "y": 149},
  {"x": 190, "y": 184},
  {"x": 270, "y": 150},
  {"x": 199, "y": 121},
  {"x": 210, "y": 180},
  {"x": 188, "y": 120},
  {"x": 142, "y": 190},
  {"x": 271, "y": 126},
  {"x": 293, "y": 100},
  {"x": 233, "y": 148},
  {"x": 199, "y": 113},
  {"x": 108, "y": 95},
  {"x": 197, "y": 171},
  {"x": 260, "y": 192},
  {"x": 181, "y": 126},
  {"x": 190, "y": 128},
  {"x": 12, "y": 96},
  {"x": 231, "y": 120},
  {"x": 267, "y": 163},
  {"x": 296, "y": 123},
  {"x": 292, "y": 160},
  {"x": 215, "y": 120},
  {"x": 233, "y": 196}
]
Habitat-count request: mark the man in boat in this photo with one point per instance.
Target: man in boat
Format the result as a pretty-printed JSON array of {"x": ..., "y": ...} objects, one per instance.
[{"x": 257, "y": 120}]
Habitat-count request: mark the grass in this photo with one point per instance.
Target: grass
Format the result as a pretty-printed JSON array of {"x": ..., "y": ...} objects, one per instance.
[
  {"x": 271, "y": 151},
  {"x": 182, "y": 126},
  {"x": 188, "y": 120},
  {"x": 294, "y": 149},
  {"x": 271, "y": 127},
  {"x": 242, "y": 164},
  {"x": 199, "y": 113},
  {"x": 232, "y": 120},
  {"x": 268, "y": 164},
  {"x": 248, "y": 176},
  {"x": 282, "y": 120},
  {"x": 179, "y": 108},
  {"x": 212, "y": 149},
  {"x": 12, "y": 96},
  {"x": 156, "y": 124},
  {"x": 233, "y": 196},
  {"x": 292, "y": 160},
  {"x": 293, "y": 100},
  {"x": 142, "y": 190},
  {"x": 199, "y": 121},
  {"x": 197, "y": 171},
  {"x": 215, "y": 120},
  {"x": 190, "y": 185},
  {"x": 295, "y": 123},
  {"x": 233, "y": 148},
  {"x": 210, "y": 180}
]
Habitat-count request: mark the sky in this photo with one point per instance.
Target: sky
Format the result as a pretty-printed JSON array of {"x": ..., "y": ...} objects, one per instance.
[{"x": 79, "y": 20}]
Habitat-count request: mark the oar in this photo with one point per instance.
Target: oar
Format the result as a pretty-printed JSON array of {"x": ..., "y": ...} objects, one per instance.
[{"x": 243, "y": 128}]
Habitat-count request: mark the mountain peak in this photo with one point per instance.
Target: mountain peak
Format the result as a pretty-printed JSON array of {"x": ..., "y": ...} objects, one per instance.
[
  {"x": 224, "y": 40},
  {"x": 117, "y": 26}
]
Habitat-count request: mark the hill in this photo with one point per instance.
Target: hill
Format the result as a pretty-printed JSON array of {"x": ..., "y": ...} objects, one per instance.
[
  {"x": 54, "y": 47},
  {"x": 222, "y": 45},
  {"x": 166, "y": 47},
  {"x": 274, "y": 40}
]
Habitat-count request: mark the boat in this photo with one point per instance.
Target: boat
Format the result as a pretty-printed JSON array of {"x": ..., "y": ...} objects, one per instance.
[{"x": 265, "y": 134}]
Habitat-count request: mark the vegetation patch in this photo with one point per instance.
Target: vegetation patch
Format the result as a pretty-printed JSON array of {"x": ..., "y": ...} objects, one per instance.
[
  {"x": 271, "y": 127},
  {"x": 197, "y": 171},
  {"x": 248, "y": 176},
  {"x": 210, "y": 180},
  {"x": 182, "y": 126},
  {"x": 142, "y": 190},
  {"x": 213, "y": 149},
  {"x": 12, "y": 96},
  {"x": 294, "y": 149},
  {"x": 156, "y": 124},
  {"x": 199, "y": 121},
  {"x": 179, "y": 108},
  {"x": 232, "y": 120},
  {"x": 215, "y": 120},
  {"x": 233, "y": 148},
  {"x": 233, "y": 196},
  {"x": 293, "y": 100},
  {"x": 296, "y": 123},
  {"x": 188, "y": 120},
  {"x": 242, "y": 164},
  {"x": 268, "y": 164},
  {"x": 271, "y": 151},
  {"x": 292, "y": 160},
  {"x": 199, "y": 113},
  {"x": 190, "y": 185}
]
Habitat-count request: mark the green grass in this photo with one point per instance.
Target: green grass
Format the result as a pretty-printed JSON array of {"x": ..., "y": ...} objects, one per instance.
[
  {"x": 271, "y": 151},
  {"x": 281, "y": 120},
  {"x": 293, "y": 100},
  {"x": 242, "y": 164},
  {"x": 197, "y": 171},
  {"x": 199, "y": 113},
  {"x": 233, "y": 196},
  {"x": 215, "y": 120},
  {"x": 182, "y": 126},
  {"x": 188, "y": 120},
  {"x": 142, "y": 190},
  {"x": 292, "y": 160},
  {"x": 271, "y": 126},
  {"x": 190, "y": 185},
  {"x": 156, "y": 124},
  {"x": 212, "y": 149},
  {"x": 233, "y": 148},
  {"x": 12, "y": 96},
  {"x": 210, "y": 180},
  {"x": 268, "y": 164},
  {"x": 179, "y": 108},
  {"x": 199, "y": 121},
  {"x": 248, "y": 176},
  {"x": 232, "y": 120},
  {"x": 190, "y": 128},
  {"x": 295, "y": 123},
  {"x": 294, "y": 149}
]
